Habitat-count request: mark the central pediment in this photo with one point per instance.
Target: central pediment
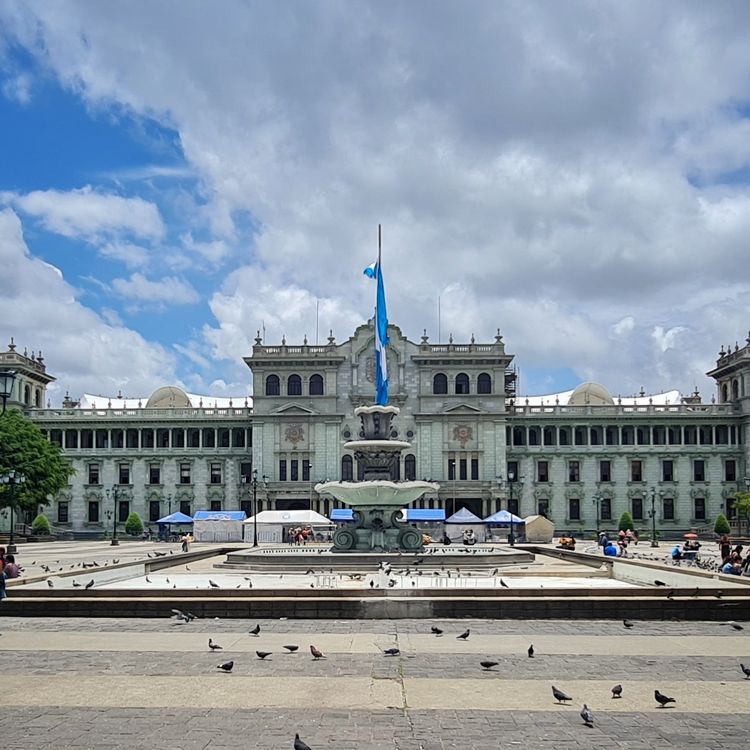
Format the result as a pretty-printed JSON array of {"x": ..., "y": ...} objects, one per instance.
[
  {"x": 291, "y": 410},
  {"x": 462, "y": 408}
]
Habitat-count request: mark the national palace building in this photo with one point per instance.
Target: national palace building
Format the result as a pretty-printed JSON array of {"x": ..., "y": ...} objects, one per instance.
[{"x": 570, "y": 455}]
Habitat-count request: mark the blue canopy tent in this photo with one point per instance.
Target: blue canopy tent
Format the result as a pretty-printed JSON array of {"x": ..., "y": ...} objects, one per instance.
[
  {"x": 505, "y": 518},
  {"x": 175, "y": 517},
  {"x": 413, "y": 515}
]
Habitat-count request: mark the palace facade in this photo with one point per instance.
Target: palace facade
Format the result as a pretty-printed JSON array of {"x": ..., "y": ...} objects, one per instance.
[{"x": 581, "y": 457}]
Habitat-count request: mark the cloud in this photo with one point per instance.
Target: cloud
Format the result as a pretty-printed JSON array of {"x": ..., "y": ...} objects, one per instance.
[
  {"x": 533, "y": 165},
  {"x": 85, "y": 351},
  {"x": 88, "y": 213},
  {"x": 168, "y": 290}
]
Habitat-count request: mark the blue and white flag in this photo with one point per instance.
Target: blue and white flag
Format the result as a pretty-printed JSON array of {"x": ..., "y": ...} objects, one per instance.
[{"x": 375, "y": 271}]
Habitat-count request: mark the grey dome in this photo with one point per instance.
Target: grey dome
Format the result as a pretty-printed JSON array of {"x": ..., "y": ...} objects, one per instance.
[
  {"x": 168, "y": 396},
  {"x": 590, "y": 394}
]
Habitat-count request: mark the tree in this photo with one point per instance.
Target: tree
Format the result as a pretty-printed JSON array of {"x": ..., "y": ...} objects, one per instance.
[
  {"x": 24, "y": 448},
  {"x": 134, "y": 525},
  {"x": 722, "y": 525},
  {"x": 626, "y": 522},
  {"x": 41, "y": 525}
]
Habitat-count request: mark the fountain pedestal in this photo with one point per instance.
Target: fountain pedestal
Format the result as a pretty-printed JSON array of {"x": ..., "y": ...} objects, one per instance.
[{"x": 377, "y": 501}]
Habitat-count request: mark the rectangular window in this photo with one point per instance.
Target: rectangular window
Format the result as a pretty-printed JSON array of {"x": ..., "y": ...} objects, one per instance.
[
  {"x": 215, "y": 473},
  {"x": 216, "y": 505},
  {"x": 513, "y": 506},
  {"x": 154, "y": 474},
  {"x": 246, "y": 470},
  {"x": 605, "y": 509},
  {"x": 574, "y": 509},
  {"x": 638, "y": 508},
  {"x": 636, "y": 471},
  {"x": 93, "y": 511},
  {"x": 462, "y": 475},
  {"x": 668, "y": 508},
  {"x": 574, "y": 471},
  {"x": 512, "y": 471},
  {"x": 247, "y": 507},
  {"x": 451, "y": 469},
  {"x": 184, "y": 473},
  {"x": 542, "y": 507},
  {"x": 94, "y": 474},
  {"x": 699, "y": 470},
  {"x": 62, "y": 512},
  {"x": 667, "y": 470},
  {"x": 699, "y": 508},
  {"x": 542, "y": 471},
  {"x": 123, "y": 510},
  {"x": 475, "y": 469},
  {"x": 282, "y": 470},
  {"x": 605, "y": 471},
  {"x": 305, "y": 470},
  {"x": 154, "y": 510},
  {"x": 185, "y": 507},
  {"x": 730, "y": 470},
  {"x": 124, "y": 474},
  {"x": 294, "y": 470}
]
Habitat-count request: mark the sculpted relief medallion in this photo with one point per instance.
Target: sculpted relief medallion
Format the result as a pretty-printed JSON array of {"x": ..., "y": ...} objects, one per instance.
[
  {"x": 463, "y": 433},
  {"x": 294, "y": 433}
]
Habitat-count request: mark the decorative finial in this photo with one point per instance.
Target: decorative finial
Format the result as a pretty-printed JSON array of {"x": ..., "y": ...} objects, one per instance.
[
  {"x": 304, "y": 339},
  {"x": 713, "y": 399},
  {"x": 721, "y": 351},
  {"x": 642, "y": 393},
  {"x": 258, "y": 339},
  {"x": 473, "y": 340},
  {"x": 200, "y": 402},
  {"x": 230, "y": 402},
  {"x": 49, "y": 404},
  {"x": 283, "y": 339},
  {"x": 736, "y": 347},
  {"x": 109, "y": 403},
  {"x": 40, "y": 358},
  {"x": 425, "y": 339},
  {"x": 619, "y": 399},
  {"x": 331, "y": 338},
  {"x": 119, "y": 393},
  {"x": 450, "y": 338},
  {"x": 498, "y": 337},
  {"x": 33, "y": 356},
  {"x": 650, "y": 400},
  {"x": 25, "y": 352},
  {"x": 246, "y": 402},
  {"x": 12, "y": 345}
]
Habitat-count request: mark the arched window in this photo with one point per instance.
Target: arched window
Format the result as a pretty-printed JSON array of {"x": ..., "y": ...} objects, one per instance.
[
  {"x": 272, "y": 385},
  {"x": 462, "y": 383},
  {"x": 440, "y": 383},
  {"x": 484, "y": 383},
  {"x": 346, "y": 469},
  {"x": 316, "y": 385},
  {"x": 294, "y": 385},
  {"x": 410, "y": 467},
  {"x": 38, "y": 399},
  {"x": 735, "y": 390},
  {"x": 724, "y": 393}
]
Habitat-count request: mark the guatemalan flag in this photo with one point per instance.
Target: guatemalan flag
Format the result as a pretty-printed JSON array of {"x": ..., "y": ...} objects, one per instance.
[{"x": 375, "y": 271}]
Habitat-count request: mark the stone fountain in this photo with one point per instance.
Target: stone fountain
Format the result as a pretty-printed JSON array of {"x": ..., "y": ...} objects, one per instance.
[{"x": 377, "y": 500}]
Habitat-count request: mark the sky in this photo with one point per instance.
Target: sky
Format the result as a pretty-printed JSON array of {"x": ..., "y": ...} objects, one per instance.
[{"x": 175, "y": 176}]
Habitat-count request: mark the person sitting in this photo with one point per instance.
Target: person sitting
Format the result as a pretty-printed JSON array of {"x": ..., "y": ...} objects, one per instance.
[
  {"x": 676, "y": 553},
  {"x": 11, "y": 568},
  {"x": 610, "y": 550},
  {"x": 567, "y": 542},
  {"x": 731, "y": 568},
  {"x": 469, "y": 537}
]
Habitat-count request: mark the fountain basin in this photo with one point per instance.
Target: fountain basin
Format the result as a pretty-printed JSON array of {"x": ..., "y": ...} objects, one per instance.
[{"x": 379, "y": 493}]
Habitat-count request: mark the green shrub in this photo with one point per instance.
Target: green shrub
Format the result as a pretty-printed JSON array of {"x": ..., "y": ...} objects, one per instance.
[
  {"x": 626, "y": 522},
  {"x": 134, "y": 525},
  {"x": 41, "y": 526},
  {"x": 722, "y": 525}
]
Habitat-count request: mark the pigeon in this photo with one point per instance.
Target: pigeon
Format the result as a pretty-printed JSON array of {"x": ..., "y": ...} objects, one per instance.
[
  {"x": 89, "y": 584},
  {"x": 180, "y": 615},
  {"x": 76, "y": 584},
  {"x": 617, "y": 691},
  {"x": 695, "y": 593},
  {"x": 225, "y": 666},
  {"x": 291, "y": 649},
  {"x": 263, "y": 654},
  {"x": 530, "y": 652},
  {"x": 167, "y": 580},
  {"x": 317, "y": 654},
  {"x": 148, "y": 580},
  {"x": 214, "y": 646},
  {"x": 372, "y": 584},
  {"x": 465, "y": 635},
  {"x": 670, "y": 594},
  {"x": 50, "y": 584},
  {"x": 487, "y": 665},
  {"x": 559, "y": 695},
  {"x": 213, "y": 584},
  {"x": 662, "y": 700},
  {"x": 587, "y": 716},
  {"x": 299, "y": 744},
  {"x": 627, "y": 623},
  {"x": 659, "y": 583},
  {"x": 436, "y": 631},
  {"x": 114, "y": 562},
  {"x": 736, "y": 626},
  {"x": 191, "y": 616},
  {"x": 187, "y": 567},
  {"x": 718, "y": 594},
  {"x": 391, "y": 652},
  {"x": 503, "y": 584},
  {"x": 256, "y": 630},
  {"x": 746, "y": 671}
]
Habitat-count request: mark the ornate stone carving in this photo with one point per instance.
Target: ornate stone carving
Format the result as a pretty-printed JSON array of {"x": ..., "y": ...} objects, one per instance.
[
  {"x": 463, "y": 433},
  {"x": 294, "y": 434}
]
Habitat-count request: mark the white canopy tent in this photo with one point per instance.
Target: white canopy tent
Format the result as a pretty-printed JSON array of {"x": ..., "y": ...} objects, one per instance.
[
  {"x": 462, "y": 520},
  {"x": 273, "y": 524}
]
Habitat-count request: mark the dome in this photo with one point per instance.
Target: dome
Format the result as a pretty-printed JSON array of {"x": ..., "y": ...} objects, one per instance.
[
  {"x": 168, "y": 396},
  {"x": 590, "y": 394}
]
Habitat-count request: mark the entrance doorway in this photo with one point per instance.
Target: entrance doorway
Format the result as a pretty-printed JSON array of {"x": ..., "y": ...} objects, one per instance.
[{"x": 285, "y": 504}]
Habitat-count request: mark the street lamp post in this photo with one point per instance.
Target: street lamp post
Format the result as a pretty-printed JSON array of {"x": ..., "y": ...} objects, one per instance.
[
  {"x": 597, "y": 504},
  {"x": 7, "y": 378},
  {"x": 255, "y": 505},
  {"x": 12, "y": 479},
  {"x": 511, "y": 481},
  {"x": 115, "y": 491},
  {"x": 652, "y": 513}
]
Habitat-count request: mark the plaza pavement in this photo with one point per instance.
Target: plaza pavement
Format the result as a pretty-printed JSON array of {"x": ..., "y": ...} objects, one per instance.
[{"x": 127, "y": 683}]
